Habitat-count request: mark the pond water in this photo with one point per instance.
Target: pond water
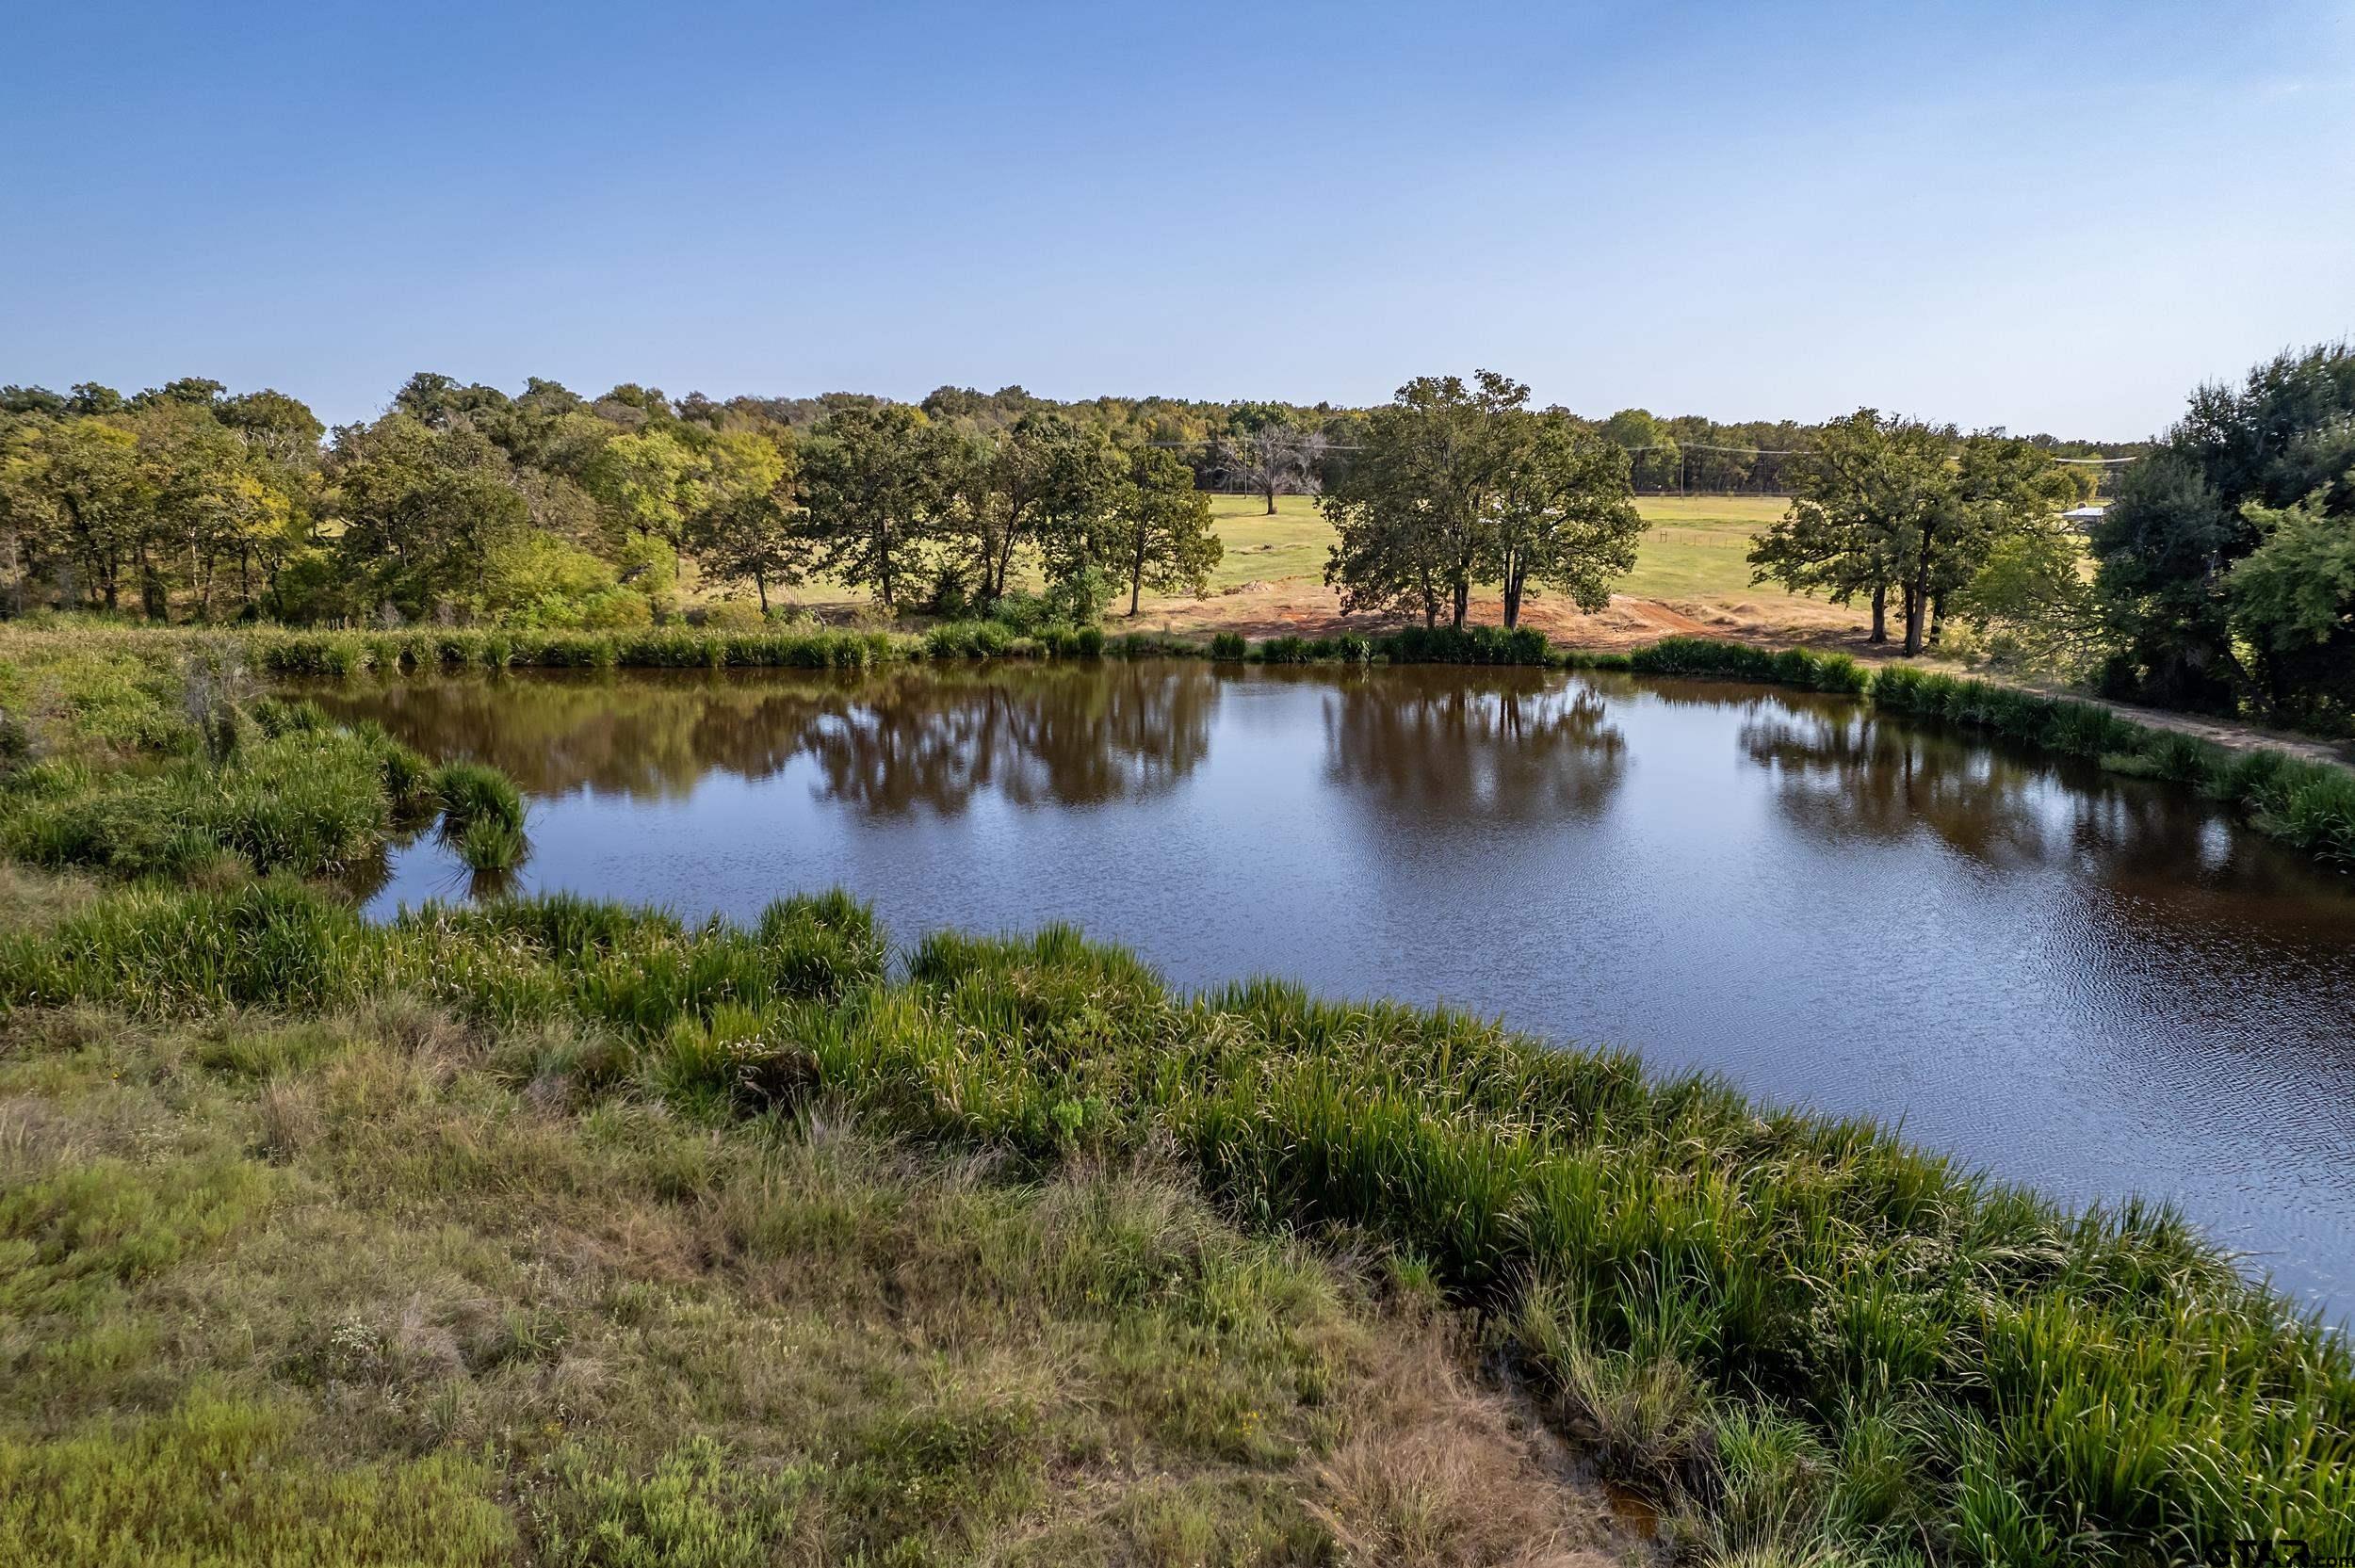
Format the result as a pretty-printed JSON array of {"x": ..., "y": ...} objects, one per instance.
[{"x": 2096, "y": 985}]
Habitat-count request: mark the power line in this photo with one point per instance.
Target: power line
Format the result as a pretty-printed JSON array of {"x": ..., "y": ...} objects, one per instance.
[{"x": 1662, "y": 446}]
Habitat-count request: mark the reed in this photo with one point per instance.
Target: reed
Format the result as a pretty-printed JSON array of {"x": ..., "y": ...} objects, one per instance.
[{"x": 1735, "y": 661}]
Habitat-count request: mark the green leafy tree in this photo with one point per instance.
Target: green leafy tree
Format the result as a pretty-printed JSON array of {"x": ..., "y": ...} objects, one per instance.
[
  {"x": 2293, "y": 604},
  {"x": 1889, "y": 505},
  {"x": 1163, "y": 527},
  {"x": 422, "y": 511},
  {"x": 215, "y": 499},
  {"x": 90, "y": 500},
  {"x": 1563, "y": 512},
  {"x": 1042, "y": 484},
  {"x": 742, "y": 527},
  {"x": 1864, "y": 488},
  {"x": 2190, "y": 513},
  {"x": 2032, "y": 600},
  {"x": 282, "y": 429},
  {"x": 1413, "y": 513},
  {"x": 868, "y": 484},
  {"x": 1082, "y": 542},
  {"x": 1652, "y": 447},
  {"x": 649, "y": 484}
]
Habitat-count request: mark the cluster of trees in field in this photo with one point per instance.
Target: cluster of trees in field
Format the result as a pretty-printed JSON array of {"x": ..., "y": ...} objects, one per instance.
[
  {"x": 1459, "y": 483},
  {"x": 2227, "y": 564},
  {"x": 2220, "y": 578},
  {"x": 1899, "y": 512},
  {"x": 549, "y": 508}
]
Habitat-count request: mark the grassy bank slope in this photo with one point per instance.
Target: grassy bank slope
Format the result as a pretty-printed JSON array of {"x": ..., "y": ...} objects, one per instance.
[
  {"x": 376, "y": 1284},
  {"x": 1809, "y": 1338},
  {"x": 573, "y": 1231}
]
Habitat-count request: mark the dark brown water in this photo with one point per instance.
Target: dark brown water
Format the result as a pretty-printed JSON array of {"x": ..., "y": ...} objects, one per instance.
[{"x": 2095, "y": 985}]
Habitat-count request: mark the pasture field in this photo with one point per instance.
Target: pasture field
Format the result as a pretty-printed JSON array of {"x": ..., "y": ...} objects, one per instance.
[
  {"x": 1696, "y": 548},
  {"x": 1690, "y": 576}
]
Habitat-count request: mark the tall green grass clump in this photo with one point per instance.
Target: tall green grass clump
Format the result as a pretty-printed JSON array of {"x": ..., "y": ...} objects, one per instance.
[
  {"x": 472, "y": 792},
  {"x": 1525, "y": 645},
  {"x": 1466, "y": 645},
  {"x": 153, "y": 758},
  {"x": 1803, "y": 1334},
  {"x": 490, "y": 844},
  {"x": 1735, "y": 661},
  {"x": 344, "y": 653},
  {"x": 157, "y": 951}
]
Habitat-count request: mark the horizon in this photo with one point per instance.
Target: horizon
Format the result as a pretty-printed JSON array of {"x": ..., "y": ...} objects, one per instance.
[{"x": 2034, "y": 221}]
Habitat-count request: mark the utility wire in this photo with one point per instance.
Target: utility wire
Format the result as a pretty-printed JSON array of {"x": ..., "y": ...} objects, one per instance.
[{"x": 1657, "y": 446}]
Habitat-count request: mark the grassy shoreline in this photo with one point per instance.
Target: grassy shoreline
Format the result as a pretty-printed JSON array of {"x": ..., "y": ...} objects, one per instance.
[
  {"x": 2304, "y": 803},
  {"x": 1799, "y": 1334},
  {"x": 1804, "y": 1340}
]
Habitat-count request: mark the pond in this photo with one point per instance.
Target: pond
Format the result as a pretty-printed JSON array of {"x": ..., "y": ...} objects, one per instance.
[{"x": 2095, "y": 985}]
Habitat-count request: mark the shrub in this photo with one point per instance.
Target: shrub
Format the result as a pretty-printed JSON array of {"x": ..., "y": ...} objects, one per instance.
[
  {"x": 1229, "y": 646},
  {"x": 1286, "y": 650}
]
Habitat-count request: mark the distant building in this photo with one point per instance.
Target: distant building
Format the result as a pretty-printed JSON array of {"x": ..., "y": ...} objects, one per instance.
[{"x": 2084, "y": 518}]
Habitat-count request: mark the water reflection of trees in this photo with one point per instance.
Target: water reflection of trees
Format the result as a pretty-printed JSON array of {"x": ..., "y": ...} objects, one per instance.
[
  {"x": 1501, "y": 747},
  {"x": 645, "y": 737},
  {"x": 1064, "y": 736},
  {"x": 1845, "y": 775},
  {"x": 891, "y": 742}
]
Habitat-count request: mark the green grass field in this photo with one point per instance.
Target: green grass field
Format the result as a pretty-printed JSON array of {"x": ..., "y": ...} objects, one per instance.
[{"x": 1696, "y": 548}]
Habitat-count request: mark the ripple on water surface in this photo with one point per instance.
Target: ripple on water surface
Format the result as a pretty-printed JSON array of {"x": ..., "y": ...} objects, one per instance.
[{"x": 2097, "y": 985}]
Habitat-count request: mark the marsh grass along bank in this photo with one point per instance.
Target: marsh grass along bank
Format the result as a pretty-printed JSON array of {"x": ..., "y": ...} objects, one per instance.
[
  {"x": 1801, "y": 1332},
  {"x": 615, "y": 1280},
  {"x": 136, "y": 761}
]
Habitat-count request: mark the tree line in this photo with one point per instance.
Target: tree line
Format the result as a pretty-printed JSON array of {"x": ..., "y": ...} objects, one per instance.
[
  {"x": 2227, "y": 565},
  {"x": 552, "y": 509},
  {"x": 2220, "y": 578}
]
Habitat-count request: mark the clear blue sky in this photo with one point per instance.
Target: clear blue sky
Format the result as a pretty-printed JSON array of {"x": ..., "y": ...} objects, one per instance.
[{"x": 2050, "y": 217}]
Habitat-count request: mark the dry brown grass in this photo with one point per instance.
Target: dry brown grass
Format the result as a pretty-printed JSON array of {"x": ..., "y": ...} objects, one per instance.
[
  {"x": 1438, "y": 1472},
  {"x": 397, "y": 1240}
]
